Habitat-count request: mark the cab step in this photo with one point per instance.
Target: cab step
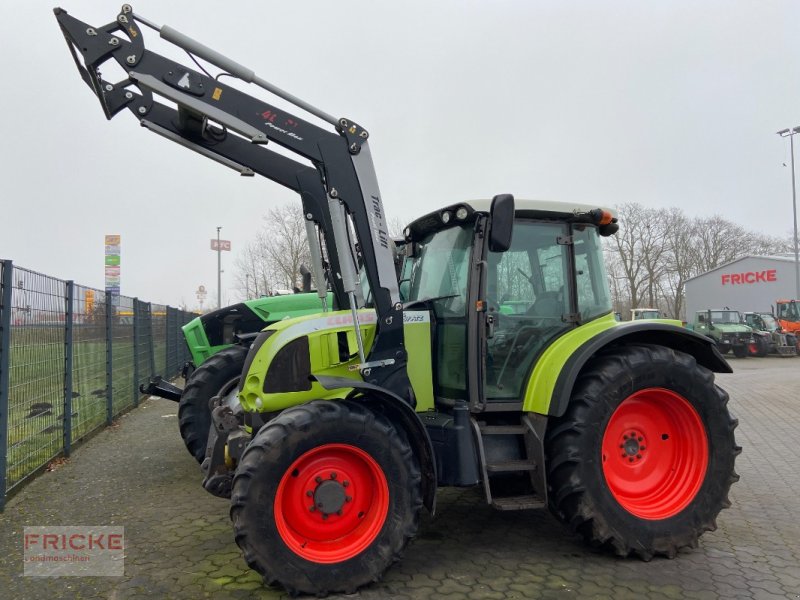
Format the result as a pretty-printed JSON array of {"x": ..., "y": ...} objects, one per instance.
[
  {"x": 510, "y": 466},
  {"x": 527, "y": 433},
  {"x": 527, "y": 502}
]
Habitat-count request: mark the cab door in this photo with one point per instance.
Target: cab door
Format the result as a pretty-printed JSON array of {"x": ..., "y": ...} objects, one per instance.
[{"x": 528, "y": 295}]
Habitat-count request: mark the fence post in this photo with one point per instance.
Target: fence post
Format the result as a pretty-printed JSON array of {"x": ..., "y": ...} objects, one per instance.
[
  {"x": 6, "y": 285},
  {"x": 68, "y": 352},
  {"x": 136, "y": 352},
  {"x": 151, "y": 349},
  {"x": 167, "y": 344},
  {"x": 109, "y": 360}
]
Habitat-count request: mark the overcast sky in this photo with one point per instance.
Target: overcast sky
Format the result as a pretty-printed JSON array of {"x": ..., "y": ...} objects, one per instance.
[{"x": 664, "y": 103}]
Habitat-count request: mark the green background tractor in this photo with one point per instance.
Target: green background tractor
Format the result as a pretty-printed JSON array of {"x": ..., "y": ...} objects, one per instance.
[
  {"x": 218, "y": 342},
  {"x": 727, "y": 329}
]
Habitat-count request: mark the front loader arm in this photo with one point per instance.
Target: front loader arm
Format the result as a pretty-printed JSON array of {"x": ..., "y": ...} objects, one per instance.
[
  {"x": 229, "y": 126},
  {"x": 236, "y": 153}
]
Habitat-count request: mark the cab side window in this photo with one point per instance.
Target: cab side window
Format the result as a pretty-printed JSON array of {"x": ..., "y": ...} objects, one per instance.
[{"x": 527, "y": 293}]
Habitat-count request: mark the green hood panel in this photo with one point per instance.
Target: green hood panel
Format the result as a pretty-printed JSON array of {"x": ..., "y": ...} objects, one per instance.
[
  {"x": 269, "y": 309},
  {"x": 731, "y": 328},
  {"x": 539, "y": 392},
  {"x": 277, "y": 308},
  {"x": 197, "y": 341},
  {"x": 331, "y": 338}
]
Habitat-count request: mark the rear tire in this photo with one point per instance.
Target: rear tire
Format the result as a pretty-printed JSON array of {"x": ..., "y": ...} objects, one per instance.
[
  {"x": 215, "y": 375},
  {"x": 643, "y": 459},
  {"x": 325, "y": 498}
]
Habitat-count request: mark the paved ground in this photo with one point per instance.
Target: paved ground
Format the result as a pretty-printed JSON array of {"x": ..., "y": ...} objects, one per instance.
[{"x": 180, "y": 543}]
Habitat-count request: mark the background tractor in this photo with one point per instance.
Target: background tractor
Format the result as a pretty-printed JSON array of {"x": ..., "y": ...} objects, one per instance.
[
  {"x": 218, "y": 342},
  {"x": 501, "y": 366},
  {"x": 727, "y": 329},
  {"x": 645, "y": 313},
  {"x": 789, "y": 318},
  {"x": 769, "y": 336}
]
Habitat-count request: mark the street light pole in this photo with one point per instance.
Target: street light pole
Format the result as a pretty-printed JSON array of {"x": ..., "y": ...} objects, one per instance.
[
  {"x": 219, "y": 271},
  {"x": 790, "y": 133},
  {"x": 247, "y": 286}
]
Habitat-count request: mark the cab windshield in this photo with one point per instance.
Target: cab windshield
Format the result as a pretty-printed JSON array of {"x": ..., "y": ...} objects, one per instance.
[
  {"x": 725, "y": 316},
  {"x": 789, "y": 311},
  {"x": 769, "y": 322},
  {"x": 646, "y": 314},
  {"x": 437, "y": 279},
  {"x": 443, "y": 281}
]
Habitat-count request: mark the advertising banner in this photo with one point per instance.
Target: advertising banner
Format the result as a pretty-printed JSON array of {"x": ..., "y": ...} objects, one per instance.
[{"x": 112, "y": 265}]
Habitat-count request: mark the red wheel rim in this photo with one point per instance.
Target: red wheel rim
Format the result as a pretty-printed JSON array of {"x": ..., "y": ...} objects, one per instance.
[
  {"x": 331, "y": 503},
  {"x": 655, "y": 453}
]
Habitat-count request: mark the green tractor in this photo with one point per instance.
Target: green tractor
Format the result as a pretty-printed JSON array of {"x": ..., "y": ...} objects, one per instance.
[
  {"x": 637, "y": 314},
  {"x": 499, "y": 366},
  {"x": 726, "y": 328},
  {"x": 218, "y": 342}
]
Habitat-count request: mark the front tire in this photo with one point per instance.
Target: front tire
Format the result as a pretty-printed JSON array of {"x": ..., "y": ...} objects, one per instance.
[
  {"x": 741, "y": 351},
  {"x": 643, "y": 459},
  {"x": 763, "y": 345},
  {"x": 215, "y": 376},
  {"x": 325, "y": 498}
]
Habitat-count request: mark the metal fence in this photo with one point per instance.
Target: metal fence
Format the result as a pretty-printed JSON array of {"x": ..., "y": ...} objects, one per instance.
[{"x": 71, "y": 359}]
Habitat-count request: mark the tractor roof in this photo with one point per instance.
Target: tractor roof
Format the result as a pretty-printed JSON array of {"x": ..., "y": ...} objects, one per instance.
[
  {"x": 539, "y": 206},
  {"x": 542, "y": 209}
]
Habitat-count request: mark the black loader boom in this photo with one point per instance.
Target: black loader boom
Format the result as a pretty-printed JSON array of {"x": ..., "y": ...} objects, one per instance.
[{"x": 339, "y": 192}]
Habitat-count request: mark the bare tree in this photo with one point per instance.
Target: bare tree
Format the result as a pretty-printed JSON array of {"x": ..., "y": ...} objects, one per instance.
[
  {"x": 678, "y": 260},
  {"x": 395, "y": 227},
  {"x": 717, "y": 241},
  {"x": 625, "y": 246},
  {"x": 657, "y": 251},
  {"x": 272, "y": 261}
]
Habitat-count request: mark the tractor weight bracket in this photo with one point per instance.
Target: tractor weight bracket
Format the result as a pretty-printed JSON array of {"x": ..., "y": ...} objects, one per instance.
[{"x": 163, "y": 389}]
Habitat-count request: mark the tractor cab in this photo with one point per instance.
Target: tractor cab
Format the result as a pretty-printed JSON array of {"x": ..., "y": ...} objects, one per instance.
[
  {"x": 788, "y": 310},
  {"x": 638, "y": 314},
  {"x": 494, "y": 311},
  {"x": 761, "y": 322}
]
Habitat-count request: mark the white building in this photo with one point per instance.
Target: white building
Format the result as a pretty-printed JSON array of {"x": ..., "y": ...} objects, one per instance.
[{"x": 751, "y": 283}]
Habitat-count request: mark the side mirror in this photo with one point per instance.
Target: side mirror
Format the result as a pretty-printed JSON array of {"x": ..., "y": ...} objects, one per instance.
[
  {"x": 501, "y": 225},
  {"x": 397, "y": 257}
]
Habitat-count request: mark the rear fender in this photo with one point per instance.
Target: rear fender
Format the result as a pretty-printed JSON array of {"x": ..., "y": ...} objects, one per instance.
[
  {"x": 555, "y": 371},
  {"x": 680, "y": 339}
]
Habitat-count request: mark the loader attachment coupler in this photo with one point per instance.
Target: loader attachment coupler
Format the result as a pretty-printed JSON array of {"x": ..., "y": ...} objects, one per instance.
[
  {"x": 339, "y": 190},
  {"x": 97, "y": 45}
]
